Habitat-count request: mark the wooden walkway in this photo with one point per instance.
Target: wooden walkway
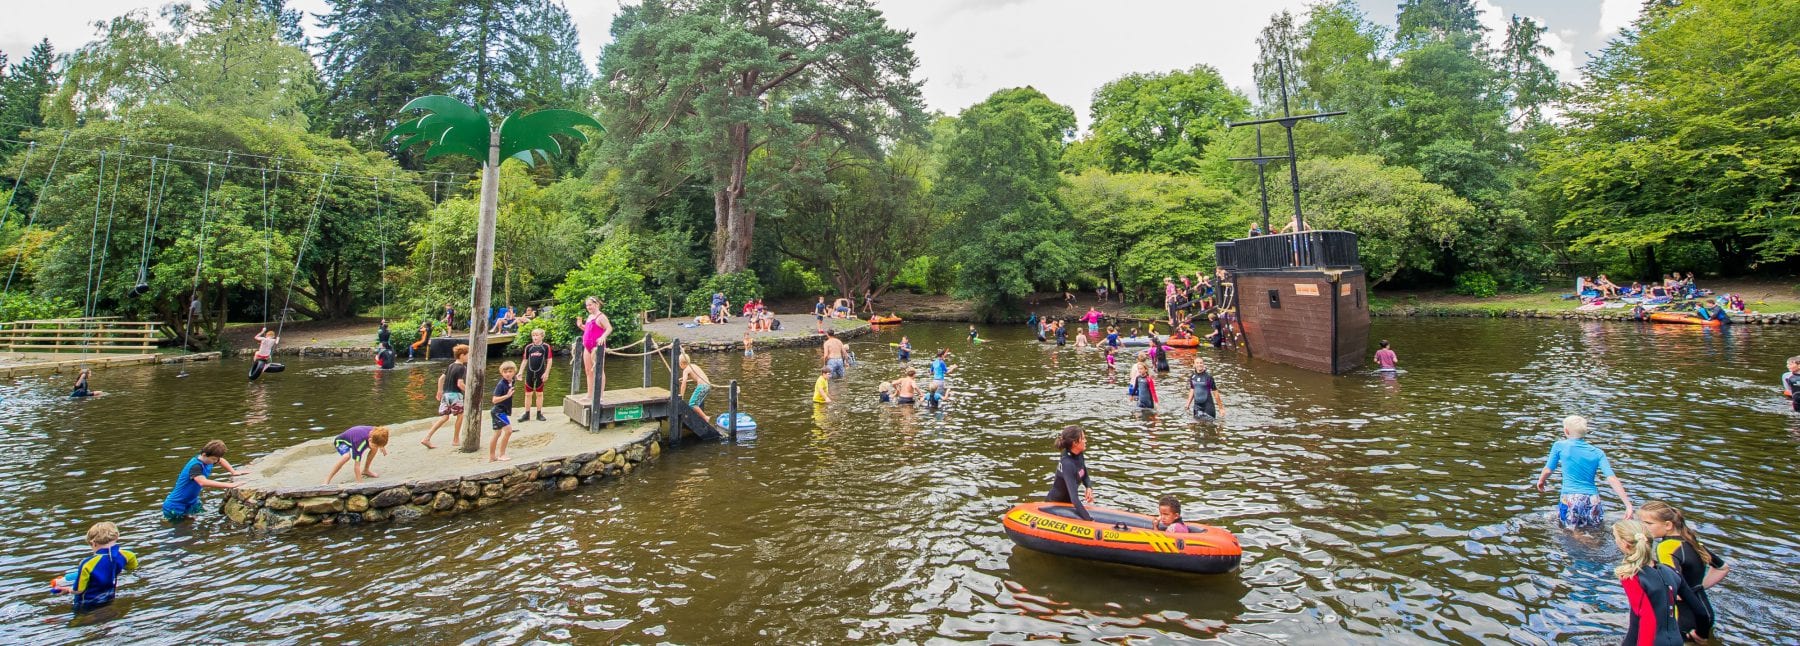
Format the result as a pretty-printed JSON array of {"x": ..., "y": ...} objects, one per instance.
[{"x": 81, "y": 335}]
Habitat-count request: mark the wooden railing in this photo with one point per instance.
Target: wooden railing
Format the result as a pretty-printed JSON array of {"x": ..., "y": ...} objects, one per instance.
[
  {"x": 85, "y": 335},
  {"x": 1311, "y": 249}
]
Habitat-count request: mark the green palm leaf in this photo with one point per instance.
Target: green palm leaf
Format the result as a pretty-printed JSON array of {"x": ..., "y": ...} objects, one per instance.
[
  {"x": 524, "y": 137},
  {"x": 449, "y": 126}
]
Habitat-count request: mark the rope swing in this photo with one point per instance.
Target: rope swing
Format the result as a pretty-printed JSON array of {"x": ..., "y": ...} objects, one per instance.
[
  {"x": 300, "y": 253},
  {"x": 187, "y": 331},
  {"x": 35, "y": 207},
  {"x": 152, "y": 216}
]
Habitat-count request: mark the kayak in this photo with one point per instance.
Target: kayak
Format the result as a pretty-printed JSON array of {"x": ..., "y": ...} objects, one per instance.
[
  {"x": 1118, "y": 536},
  {"x": 1684, "y": 318},
  {"x": 886, "y": 320}
]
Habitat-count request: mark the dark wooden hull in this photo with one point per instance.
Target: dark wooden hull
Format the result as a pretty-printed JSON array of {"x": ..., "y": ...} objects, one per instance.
[{"x": 1316, "y": 319}]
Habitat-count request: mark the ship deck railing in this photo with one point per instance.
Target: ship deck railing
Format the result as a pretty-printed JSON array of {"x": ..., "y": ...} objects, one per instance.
[{"x": 1302, "y": 250}]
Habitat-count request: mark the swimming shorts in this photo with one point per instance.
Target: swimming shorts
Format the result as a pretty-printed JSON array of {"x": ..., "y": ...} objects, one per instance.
[
  {"x": 344, "y": 446},
  {"x": 452, "y": 404},
  {"x": 903, "y": 400},
  {"x": 700, "y": 393},
  {"x": 837, "y": 367},
  {"x": 1581, "y": 510},
  {"x": 502, "y": 419},
  {"x": 178, "y": 516},
  {"x": 533, "y": 382}
]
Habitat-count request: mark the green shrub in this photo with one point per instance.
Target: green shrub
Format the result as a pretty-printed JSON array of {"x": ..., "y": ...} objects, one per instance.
[
  {"x": 739, "y": 288},
  {"x": 26, "y": 306},
  {"x": 609, "y": 275},
  {"x": 1479, "y": 284},
  {"x": 794, "y": 280},
  {"x": 926, "y": 275},
  {"x": 558, "y": 332}
]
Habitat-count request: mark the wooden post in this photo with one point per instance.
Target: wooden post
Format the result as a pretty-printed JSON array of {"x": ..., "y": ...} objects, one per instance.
[
  {"x": 484, "y": 287},
  {"x": 575, "y": 368},
  {"x": 648, "y": 347},
  {"x": 678, "y": 410},
  {"x": 731, "y": 410}
]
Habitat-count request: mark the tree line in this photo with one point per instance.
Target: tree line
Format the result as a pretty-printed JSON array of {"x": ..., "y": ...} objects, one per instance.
[{"x": 782, "y": 148}]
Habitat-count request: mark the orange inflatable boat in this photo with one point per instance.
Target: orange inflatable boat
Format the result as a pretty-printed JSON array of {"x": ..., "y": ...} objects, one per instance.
[
  {"x": 1189, "y": 342},
  {"x": 1683, "y": 317},
  {"x": 1118, "y": 536},
  {"x": 886, "y": 320}
]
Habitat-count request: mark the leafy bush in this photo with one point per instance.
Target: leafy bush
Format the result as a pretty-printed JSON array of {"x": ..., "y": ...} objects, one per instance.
[
  {"x": 794, "y": 279},
  {"x": 1479, "y": 284},
  {"x": 739, "y": 288},
  {"x": 926, "y": 275},
  {"x": 609, "y": 275},
  {"x": 558, "y": 332},
  {"x": 25, "y": 306}
]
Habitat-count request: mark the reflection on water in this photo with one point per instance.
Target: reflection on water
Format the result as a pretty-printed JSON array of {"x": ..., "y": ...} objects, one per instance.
[{"x": 1370, "y": 508}]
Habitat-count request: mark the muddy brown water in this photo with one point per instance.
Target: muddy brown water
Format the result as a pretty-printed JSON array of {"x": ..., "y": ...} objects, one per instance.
[{"x": 1370, "y": 510}]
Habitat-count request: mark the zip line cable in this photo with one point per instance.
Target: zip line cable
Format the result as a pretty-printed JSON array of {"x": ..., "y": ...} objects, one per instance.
[
  {"x": 87, "y": 297},
  {"x": 35, "y": 207},
  {"x": 112, "y": 208},
  {"x": 300, "y": 253}
]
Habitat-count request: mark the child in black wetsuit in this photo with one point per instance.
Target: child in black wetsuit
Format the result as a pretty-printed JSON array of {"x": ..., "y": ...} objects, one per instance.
[{"x": 1071, "y": 471}]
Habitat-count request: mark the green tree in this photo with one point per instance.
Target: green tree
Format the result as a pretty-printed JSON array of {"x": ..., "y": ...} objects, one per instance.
[
  {"x": 1403, "y": 222},
  {"x": 23, "y": 89},
  {"x": 1277, "y": 54},
  {"x": 714, "y": 90},
  {"x": 226, "y": 58},
  {"x": 1530, "y": 84},
  {"x": 540, "y": 234},
  {"x": 1008, "y": 230},
  {"x": 1141, "y": 227},
  {"x": 376, "y": 55},
  {"x": 862, "y": 227},
  {"x": 1161, "y": 122},
  {"x": 1684, "y": 132},
  {"x": 610, "y": 275}
]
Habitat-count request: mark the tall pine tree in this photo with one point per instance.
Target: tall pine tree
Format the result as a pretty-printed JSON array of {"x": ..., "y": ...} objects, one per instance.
[
  {"x": 23, "y": 89},
  {"x": 375, "y": 56}
]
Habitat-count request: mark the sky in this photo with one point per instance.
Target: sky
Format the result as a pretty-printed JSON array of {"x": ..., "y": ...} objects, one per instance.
[{"x": 967, "y": 49}]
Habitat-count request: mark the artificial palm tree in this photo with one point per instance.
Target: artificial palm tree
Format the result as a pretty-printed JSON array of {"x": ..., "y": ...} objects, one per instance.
[{"x": 451, "y": 127}]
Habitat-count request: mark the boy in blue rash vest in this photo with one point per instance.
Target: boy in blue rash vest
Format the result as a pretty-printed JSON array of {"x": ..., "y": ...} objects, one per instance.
[
  {"x": 1581, "y": 462},
  {"x": 905, "y": 349},
  {"x": 940, "y": 377},
  {"x": 96, "y": 578},
  {"x": 184, "y": 499},
  {"x": 1790, "y": 382}
]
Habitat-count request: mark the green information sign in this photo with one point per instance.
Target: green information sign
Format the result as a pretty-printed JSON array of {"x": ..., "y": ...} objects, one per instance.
[{"x": 624, "y": 413}]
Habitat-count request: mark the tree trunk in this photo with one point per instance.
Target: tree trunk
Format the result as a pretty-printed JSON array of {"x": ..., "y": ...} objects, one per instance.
[
  {"x": 484, "y": 287},
  {"x": 733, "y": 221},
  {"x": 1650, "y": 263}
]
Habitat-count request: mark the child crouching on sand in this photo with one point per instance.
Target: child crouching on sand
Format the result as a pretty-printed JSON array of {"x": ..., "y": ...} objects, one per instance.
[{"x": 359, "y": 445}]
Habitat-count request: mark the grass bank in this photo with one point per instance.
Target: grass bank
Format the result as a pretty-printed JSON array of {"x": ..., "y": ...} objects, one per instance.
[{"x": 1763, "y": 296}]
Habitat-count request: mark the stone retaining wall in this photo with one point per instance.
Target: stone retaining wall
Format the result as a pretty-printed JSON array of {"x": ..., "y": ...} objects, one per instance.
[
  {"x": 281, "y": 509},
  {"x": 1622, "y": 316}
]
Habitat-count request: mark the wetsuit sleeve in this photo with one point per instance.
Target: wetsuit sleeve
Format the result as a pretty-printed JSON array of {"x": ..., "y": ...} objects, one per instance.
[
  {"x": 1666, "y": 552},
  {"x": 131, "y": 561},
  {"x": 1690, "y": 603},
  {"x": 1072, "y": 482},
  {"x": 1640, "y": 621}
]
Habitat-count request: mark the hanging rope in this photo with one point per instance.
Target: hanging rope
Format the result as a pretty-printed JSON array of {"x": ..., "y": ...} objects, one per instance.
[
  {"x": 17, "y": 182},
  {"x": 187, "y": 331},
  {"x": 299, "y": 253},
  {"x": 153, "y": 218},
  {"x": 268, "y": 240},
  {"x": 87, "y": 297},
  {"x": 112, "y": 208},
  {"x": 35, "y": 207},
  {"x": 381, "y": 229}
]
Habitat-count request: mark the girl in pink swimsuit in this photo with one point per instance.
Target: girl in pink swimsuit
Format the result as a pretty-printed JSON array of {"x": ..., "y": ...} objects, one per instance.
[{"x": 593, "y": 337}]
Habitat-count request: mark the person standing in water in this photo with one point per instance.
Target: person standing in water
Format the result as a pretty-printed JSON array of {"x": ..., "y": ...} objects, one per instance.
[
  {"x": 1581, "y": 463},
  {"x": 1203, "y": 392},
  {"x": 1385, "y": 358},
  {"x": 423, "y": 342},
  {"x": 1676, "y": 546},
  {"x": 1072, "y": 484},
  {"x": 593, "y": 342},
  {"x": 1657, "y": 597},
  {"x": 835, "y": 355},
  {"x": 1790, "y": 382}
]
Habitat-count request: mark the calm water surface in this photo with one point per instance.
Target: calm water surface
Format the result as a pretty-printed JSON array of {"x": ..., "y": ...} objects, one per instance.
[{"x": 1370, "y": 510}]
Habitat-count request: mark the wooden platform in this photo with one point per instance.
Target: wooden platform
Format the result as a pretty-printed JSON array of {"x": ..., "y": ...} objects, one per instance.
[
  {"x": 626, "y": 405},
  {"x": 80, "y": 335}
]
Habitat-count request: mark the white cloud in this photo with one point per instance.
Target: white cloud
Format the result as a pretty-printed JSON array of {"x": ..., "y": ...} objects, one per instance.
[{"x": 1616, "y": 15}]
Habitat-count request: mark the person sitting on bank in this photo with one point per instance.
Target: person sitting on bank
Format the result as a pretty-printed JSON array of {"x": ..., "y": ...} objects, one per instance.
[
  {"x": 1606, "y": 286},
  {"x": 1168, "y": 516}
]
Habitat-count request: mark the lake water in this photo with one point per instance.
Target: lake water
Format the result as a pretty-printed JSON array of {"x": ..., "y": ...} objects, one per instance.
[{"x": 1370, "y": 510}]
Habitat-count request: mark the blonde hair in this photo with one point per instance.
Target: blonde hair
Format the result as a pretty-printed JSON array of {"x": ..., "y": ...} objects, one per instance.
[
  {"x": 102, "y": 533},
  {"x": 1639, "y": 555},
  {"x": 1664, "y": 512},
  {"x": 1575, "y": 426},
  {"x": 378, "y": 437},
  {"x": 509, "y": 366}
]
